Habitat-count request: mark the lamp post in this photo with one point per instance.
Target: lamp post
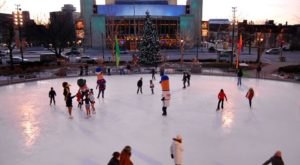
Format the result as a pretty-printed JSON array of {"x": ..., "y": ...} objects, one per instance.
[
  {"x": 260, "y": 43},
  {"x": 18, "y": 20},
  {"x": 181, "y": 50}
]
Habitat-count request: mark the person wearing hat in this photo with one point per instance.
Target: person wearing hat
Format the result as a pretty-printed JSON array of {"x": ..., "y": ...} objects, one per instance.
[
  {"x": 115, "y": 159},
  {"x": 125, "y": 156},
  {"x": 177, "y": 150},
  {"x": 276, "y": 159}
]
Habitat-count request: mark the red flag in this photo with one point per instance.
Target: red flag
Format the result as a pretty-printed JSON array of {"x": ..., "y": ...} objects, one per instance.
[{"x": 240, "y": 45}]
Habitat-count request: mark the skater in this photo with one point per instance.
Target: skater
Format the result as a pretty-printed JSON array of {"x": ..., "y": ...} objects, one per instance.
[
  {"x": 166, "y": 96},
  {"x": 140, "y": 85},
  {"x": 152, "y": 86},
  {"x": 108, "y": 71},
  {"x": 101, "y": 85},
  {"x": 66, "y": 87},
  {"x": 87, "y": 105},
  {"x": 177, "y": 150},
  {"x": 188, "y": 78},
  {"x": 81, "y": 70},
  {"x": 250, "y": 95},
  {"x": 221, "y": 97},
  {"x": 184, "y": 79},
  {"x": 79, "y": 97},
  {"x": 239, "y": 75},
  {"x": 258, "y": 70},
  {"x": 69, "y": 104},
  {"x": 276, "y": 159},
  {"x": 115, "y": 159},
  {"x": 52, "y": 95},
  {"x": 125, "y": 156},
  {"x": 153, "y": 73},
  {"x": 92, "y": 99}
]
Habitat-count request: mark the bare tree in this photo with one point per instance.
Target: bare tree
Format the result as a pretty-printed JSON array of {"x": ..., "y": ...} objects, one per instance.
[{"x": 8, "y": 39}]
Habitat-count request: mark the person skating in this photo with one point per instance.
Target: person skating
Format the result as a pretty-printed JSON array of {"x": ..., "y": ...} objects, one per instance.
[
  {"x": 79, "y": 98},
  {"x": 52, "y": 95},
  {"x": 86, "y": 67},
  {"x": 188, "y": 78},
  {"x": 184, "y": 79},
  {"x": 69, "y": 104},
  {"x": 125, "y": 156},
  {"x": 239, "y": 76},
  {"x": 66, "y": 87},
  {"x": 87, "y": 105},
  {"x": 166, "y": 96},
  {"x": 115, "y": 159},
  {"x": 92, "y": 99},
  {"x": 153, "y": 73},
  {"x": 276, "y": 159},
  {"x": 249, "y": 96},
  {"x": 221, "y": 97},
  {"x": 152, "y": 86},
  {"x": 140, "y": 85},
  {"x": 177, "y": 150},
  {"x": 80, "y": 70},
  {"x": 101, "y": 85}
]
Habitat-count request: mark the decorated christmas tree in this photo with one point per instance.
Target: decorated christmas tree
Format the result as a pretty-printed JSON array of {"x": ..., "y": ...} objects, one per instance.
[{"x": 149, "y": 46}]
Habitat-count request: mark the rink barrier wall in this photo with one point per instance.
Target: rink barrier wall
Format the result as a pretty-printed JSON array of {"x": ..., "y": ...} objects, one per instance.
[{"x": 71, "y": 72}]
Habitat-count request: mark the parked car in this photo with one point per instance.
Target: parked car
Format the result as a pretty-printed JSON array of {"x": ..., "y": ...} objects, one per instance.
[
  {"x": 273, "y": 51},
  {"x": 73, "y": 53},
  {"x": 86, "y": 59},
  {"x": 17, "y": 60}
]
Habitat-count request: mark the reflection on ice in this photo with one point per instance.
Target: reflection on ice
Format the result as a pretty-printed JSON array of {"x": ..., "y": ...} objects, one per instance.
[
  {"x": 227, "y": 119},
  {"x": 31, "y": 129}
]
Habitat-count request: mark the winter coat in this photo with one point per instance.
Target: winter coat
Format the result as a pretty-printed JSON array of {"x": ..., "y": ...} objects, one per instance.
[
  {"x": 52, "y": 93},
  {"x": 240, "y": 73},
  {"x": 114, "y": 161},
  {"x": 275, "y": 160},
  {"x": 250, "y": 94},
  {"x": 101, "y": 84},
  {"x": 177, "y": 151},
  {"x": 69, "y": 101},
  {"x": 125, "y": 158},
  {"x": 222, "y": 95},
  {"x": 140, "y": 83}
]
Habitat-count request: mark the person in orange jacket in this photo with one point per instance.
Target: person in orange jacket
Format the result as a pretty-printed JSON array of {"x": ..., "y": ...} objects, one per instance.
[
  {"x": 250, "y": 95},
  {"x": 125, "y": 156},
  {"x": 221, "y": 97}
]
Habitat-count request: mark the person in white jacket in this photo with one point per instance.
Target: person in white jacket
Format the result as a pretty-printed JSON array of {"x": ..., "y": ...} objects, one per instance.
[{"x": 177, "y": 150}]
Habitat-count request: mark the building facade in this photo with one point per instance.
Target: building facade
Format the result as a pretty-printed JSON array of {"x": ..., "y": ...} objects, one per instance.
[{"x": 124, "y": 19}]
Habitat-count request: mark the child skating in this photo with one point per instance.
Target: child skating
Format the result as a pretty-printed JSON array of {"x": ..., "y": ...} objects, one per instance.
[
  {"x": 140, "y": 85},
  {"x": 152, "y": 86},
  {"x": 79, "y": 97},
  {"x": 87, "y": 105},
  {"x": 52, "y": 95},
  {"x": 221, "y": 97},
  {"x": 92, "y": 99},
  {"x": 249, "y": 96}
]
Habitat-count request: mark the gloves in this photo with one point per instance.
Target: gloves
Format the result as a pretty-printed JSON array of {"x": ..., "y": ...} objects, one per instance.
[{"x": 172, "y": 156}]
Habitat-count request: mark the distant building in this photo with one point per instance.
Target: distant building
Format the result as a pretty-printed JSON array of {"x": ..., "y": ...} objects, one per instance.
[
  {"x": 218, "y": 29},
  {"x": 125, "y": 19},
  {"x": 5, "y": 20}
]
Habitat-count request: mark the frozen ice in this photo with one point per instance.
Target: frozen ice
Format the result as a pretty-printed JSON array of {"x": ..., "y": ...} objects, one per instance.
[{"x": 33, "y": 132}]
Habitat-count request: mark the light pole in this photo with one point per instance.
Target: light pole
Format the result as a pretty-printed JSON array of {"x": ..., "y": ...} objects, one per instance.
[
  {"x": 260, "y": 43},
  {"x": 18, "y": 20},
  {"x": 181, "y": 50}
]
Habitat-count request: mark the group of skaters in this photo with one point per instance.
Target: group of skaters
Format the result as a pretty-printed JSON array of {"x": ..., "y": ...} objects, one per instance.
[{"x": 176, "y": 153}]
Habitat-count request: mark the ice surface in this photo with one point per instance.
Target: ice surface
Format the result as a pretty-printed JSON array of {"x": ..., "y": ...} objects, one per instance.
[{"x": 32, "y": 132}]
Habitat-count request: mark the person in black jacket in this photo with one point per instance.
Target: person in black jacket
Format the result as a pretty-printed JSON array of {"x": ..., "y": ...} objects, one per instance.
[
  {"x": 52, "y": 95},
  {"x": 276, "y": 159},
  {"x": 69, "y": 104},
  {"x": 139, "y": 85},
  {"x": 239, "y": 75},
  {"x": 115, "y": 159}
]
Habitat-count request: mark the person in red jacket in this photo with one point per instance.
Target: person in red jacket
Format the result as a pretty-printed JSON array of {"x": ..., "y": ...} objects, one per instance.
[
  {"x": 125, "y": 156},
  {"x": 221, "y": 97},
  {"x": 250, "y": 95}
]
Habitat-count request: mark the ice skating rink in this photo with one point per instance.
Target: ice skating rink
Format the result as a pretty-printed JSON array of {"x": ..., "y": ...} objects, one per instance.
[{"x": 33, "y": 132}]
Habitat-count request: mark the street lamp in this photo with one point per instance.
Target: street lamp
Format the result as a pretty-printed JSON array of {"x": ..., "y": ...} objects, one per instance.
[
  {"x": 18, "y": 20},
  {"x": 181, "y": 50},
  {"x": 259, "y": 51}
]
